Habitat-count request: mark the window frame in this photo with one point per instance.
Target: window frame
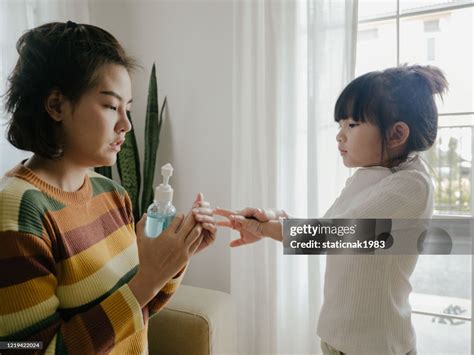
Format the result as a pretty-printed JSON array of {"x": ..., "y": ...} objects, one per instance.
[
  {"x": 461, "y": 4},
  {"x": 408, "y": 14}
]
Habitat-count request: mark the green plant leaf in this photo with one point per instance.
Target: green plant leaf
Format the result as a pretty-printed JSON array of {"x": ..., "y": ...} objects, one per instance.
[
  {"x": 128, "y": 166},
  {"x": 104, "y": 170},
  {"x": 152, "y": 133},
  {"x": 163, "y": 107}
]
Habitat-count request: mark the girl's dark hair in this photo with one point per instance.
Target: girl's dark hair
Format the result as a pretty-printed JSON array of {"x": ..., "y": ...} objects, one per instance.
[
  {"x": 63, "y": 56},
  {"x": 405, "y": 93}
]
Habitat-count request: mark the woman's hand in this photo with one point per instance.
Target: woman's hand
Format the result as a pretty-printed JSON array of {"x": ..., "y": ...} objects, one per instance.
[
  {"x": 163, "y": 257},
  {"x": 204, "y": 214}
]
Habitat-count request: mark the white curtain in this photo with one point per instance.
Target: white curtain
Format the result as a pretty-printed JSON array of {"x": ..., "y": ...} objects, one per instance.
[
  {"x": 17, "y": 16},
  {"x": 292, "y": 59}
]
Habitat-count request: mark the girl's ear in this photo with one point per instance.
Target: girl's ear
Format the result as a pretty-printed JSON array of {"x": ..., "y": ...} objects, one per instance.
[
  {"x": 398, "y": 134},
  {"x": 54, "y": 105}
]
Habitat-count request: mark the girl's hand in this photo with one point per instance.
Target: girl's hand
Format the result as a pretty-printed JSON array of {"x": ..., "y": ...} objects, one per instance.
[
  {"x": 251, "y": 228},
  {"x": 203, "y": 214},
  {"x": 261, "y": 214}
]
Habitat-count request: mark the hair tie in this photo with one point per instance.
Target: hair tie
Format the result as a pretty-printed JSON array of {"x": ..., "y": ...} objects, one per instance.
[{"x": 71, "y": 24}]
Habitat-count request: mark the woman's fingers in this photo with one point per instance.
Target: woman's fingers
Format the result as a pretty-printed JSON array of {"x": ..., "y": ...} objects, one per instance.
[
  {"x": 204, "y": 219},
  {"x": 210, "y": 227},
  {"x": 187, "y": 225},
  {"x": 193, "y": 248},
  {"x": 198, "y": 200},
  {"x": 193, "y": 235},
  {"x": 203, "y": 210},
  {"x": 176, "y": 222}
]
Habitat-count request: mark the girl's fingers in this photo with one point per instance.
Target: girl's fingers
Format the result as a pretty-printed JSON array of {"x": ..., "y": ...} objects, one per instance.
[
  {"x": 237, "y": 243},
  {"x": 237, "y": 218},
  {"x": 223, "y": 212},
  {"x": 224, "y": 224},
  {"x": 263, "y": 214},
  {"x": 248, "y": 212}
]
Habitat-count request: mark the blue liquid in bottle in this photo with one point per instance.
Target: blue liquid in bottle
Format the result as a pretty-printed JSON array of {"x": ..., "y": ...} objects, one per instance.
[{"x": 159, "y": 217}]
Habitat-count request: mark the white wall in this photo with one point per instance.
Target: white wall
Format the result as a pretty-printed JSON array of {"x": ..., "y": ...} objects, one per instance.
[{"x": 191, "y": 43}]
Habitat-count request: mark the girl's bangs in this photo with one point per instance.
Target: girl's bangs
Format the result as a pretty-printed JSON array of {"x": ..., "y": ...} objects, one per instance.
[{"x": 356, "y": 100}]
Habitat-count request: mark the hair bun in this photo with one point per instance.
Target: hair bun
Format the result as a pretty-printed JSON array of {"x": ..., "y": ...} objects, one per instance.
[
  {"x": 432, "y": 76},
  {"x": 71, "y": 24}
]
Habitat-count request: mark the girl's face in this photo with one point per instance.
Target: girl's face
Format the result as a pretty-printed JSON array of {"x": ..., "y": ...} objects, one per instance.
[
  {"x": 359, "y": 143},
  {"x": 95, "y": 129}
]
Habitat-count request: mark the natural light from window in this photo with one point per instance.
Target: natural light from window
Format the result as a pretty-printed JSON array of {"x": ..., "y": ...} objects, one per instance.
[{"x": 436, "y": 33}]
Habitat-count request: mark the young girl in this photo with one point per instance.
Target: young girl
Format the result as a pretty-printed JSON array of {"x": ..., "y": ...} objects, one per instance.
[
  {"x": 76, "y": 275},
  {"x": 385, "y": 118}
]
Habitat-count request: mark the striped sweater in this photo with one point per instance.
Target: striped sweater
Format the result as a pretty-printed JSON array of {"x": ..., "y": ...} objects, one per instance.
[{"x": 65, "y": 260}]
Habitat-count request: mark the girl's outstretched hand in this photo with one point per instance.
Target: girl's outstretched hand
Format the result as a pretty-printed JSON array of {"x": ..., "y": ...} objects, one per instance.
[
  {"x": 249, "y": 222},
  {"x": 262, "y": 214}
]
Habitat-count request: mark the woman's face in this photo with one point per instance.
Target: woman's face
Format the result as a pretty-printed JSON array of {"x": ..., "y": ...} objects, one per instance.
[
  {"x": 359, "y": 143},
  {"x": 95, "y": 129}
]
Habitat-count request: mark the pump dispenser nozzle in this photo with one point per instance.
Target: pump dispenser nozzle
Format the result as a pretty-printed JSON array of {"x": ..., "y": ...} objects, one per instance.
[
  {"x": 164, "y": 192},
  {"x": 166, "y": 172}
]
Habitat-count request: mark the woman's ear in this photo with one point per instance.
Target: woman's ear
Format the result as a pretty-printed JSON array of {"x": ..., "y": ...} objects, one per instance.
[
  {"x": 54, "y": 105},
  {"x": 399, "y": 134}
]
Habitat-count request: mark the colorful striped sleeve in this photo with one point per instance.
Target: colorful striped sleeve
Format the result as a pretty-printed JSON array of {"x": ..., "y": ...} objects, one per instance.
[
  {"x": 165, "y": 294},
  {"x": 29, "y": 310}
]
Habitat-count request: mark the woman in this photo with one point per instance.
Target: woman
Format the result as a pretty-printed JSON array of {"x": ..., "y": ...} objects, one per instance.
[{"x": 77, "y": 274}]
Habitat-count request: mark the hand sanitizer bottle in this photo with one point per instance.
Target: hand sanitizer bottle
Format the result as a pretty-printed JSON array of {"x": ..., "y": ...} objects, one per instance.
[{"x": 161, "y": 211}]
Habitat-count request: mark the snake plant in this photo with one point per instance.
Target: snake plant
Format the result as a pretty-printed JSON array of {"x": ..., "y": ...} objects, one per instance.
[{"x": 128, "y": 161}]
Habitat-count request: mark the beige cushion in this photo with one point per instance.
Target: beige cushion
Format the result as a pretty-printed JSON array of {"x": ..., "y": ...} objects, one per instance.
[{"x": 196, "y": 321}]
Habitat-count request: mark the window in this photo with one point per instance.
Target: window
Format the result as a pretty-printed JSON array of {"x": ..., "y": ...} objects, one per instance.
[
  {"x": 432, "y": 25},
  {"x": 430, "y": 49},
  {"x": 434, "y": 32},
  {"x": 369, "y": 34}
]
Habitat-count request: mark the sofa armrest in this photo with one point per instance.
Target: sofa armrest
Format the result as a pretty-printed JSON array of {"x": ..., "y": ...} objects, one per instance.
[{"x": 195, "y": 321}]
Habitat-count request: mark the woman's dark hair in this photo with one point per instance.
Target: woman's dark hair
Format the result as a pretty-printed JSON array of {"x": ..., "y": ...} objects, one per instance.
[
  {"x": 405, "y": 93},
  {"x": 62, "y": 56}
]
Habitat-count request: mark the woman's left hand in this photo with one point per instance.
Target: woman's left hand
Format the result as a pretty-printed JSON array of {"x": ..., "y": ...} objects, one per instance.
[{"x": 204, "y": 214}]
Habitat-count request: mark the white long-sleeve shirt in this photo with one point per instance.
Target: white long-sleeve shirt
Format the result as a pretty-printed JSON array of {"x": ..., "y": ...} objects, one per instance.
[{"x": 366, "y": 310}]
